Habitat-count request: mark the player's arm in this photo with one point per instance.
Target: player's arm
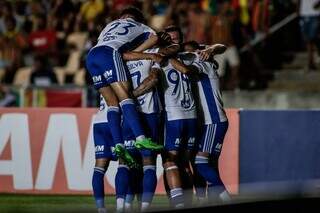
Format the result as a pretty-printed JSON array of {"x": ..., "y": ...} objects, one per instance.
[
  {"x": 150, "y": 42},
  {"x": 133, "y": 56},
  {"x": 212, "y": 50},
  {"x": 181, "y": 67},
  {"x": 170, "y": 50},
  {"x": 147, "y": 84},
  {"x": 153, "y": 40}
]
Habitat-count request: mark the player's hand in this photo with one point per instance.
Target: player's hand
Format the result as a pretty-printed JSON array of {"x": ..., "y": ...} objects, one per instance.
[
  {"x": 164, "y": 37},
  {"x": 204, "y": 55},
  {"x": 157, "y": 58}
]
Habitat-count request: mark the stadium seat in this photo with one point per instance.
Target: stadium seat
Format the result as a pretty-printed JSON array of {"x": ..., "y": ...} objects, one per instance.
[
  {"x": 79, "y": 77},
  {"x": 60, "y": 73},
  {"x": 73, "y": 63},
  {"x": 22, "y": 77},
  {"x": 78, "y": 39}
]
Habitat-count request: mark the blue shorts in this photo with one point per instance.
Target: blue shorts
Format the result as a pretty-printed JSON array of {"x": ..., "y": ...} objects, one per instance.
[
  {"x": 105, "y": 66},
  {"x": 212, "y": 138},
  {"x": 102, "y": 140},
  {"x": 309, "y": 27},
  {"x": 180, "y": 134},
  {"x": 151, "y": 126}
]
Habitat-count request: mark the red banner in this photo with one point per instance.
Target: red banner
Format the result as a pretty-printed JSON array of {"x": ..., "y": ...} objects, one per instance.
[{"x": 50, "y": 151}]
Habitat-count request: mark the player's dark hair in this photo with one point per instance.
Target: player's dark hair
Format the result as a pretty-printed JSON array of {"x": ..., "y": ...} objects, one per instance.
[
  {"x": 134, "y": 12},
  {"x": 195, "y": 45},
  {"x": 174, "y": 28}
]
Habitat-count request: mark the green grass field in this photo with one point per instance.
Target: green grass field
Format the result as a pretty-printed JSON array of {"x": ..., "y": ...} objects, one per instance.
[{"x": 49, "y": 203}]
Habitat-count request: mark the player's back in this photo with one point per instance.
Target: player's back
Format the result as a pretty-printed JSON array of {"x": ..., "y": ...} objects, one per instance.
[
  {"x": 139, "y": 71},
  {"x": 124, "y": 34},
  {"x": 211, "y": 104},
  {"x": 178, "y": 97}
]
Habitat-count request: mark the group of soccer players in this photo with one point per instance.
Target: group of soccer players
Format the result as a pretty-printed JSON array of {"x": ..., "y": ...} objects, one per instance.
[{"x": 158, "y": 96}]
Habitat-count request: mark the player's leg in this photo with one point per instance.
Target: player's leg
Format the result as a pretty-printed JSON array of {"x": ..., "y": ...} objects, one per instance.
[
  {"x": 122, "y": 184},
  {"x": 199, "y": 183},
  {"x": 172, "y": 146},
  {"x": 151, "y": 122},
  {"x": 190, "y": 134},
  {"x": 210, "y": 146},
  {"x": 98, "y": 62},
  {"x": 103, "y": 155},
  {"x": 119, "y": 81},
  {"x": 133, "y": 178}
]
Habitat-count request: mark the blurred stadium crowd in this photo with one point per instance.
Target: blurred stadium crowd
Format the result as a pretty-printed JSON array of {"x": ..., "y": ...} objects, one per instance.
[{"x": 44, "y": 42}]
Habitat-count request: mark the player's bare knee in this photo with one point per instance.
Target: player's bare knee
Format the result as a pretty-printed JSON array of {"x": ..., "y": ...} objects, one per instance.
[
  {"x": 109, "y": 96},
  {"x": 203, "y": 154},
  {"x": 121, "y": 90},
  {"x": 102, "y": 163},
  {"x": 148, "y": 161}
]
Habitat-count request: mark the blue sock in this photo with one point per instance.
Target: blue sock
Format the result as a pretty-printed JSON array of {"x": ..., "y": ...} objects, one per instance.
[
  {"x": 98, "y": 186},
  {"x": 149, "y": 183},
  {"x": 114, "y": 122},
  {"x": 209, "y": 173},
  {"x": 122, "y": 181},
  {"x": 132, "y": 117},
  {"x": 176, "y": 197}
]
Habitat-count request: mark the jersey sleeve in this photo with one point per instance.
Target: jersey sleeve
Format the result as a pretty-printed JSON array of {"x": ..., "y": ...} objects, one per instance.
[{"x": 155, "y": 66}]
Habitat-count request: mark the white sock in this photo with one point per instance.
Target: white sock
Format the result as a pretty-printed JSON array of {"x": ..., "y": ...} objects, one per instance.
[
  {"x": 144, "y": 206},
  {"x": 224, "y": 196},
  {"x": 127, "y": 207},
  {"x": 120, "y": 204},
  {"x": 141, "y": 137}
]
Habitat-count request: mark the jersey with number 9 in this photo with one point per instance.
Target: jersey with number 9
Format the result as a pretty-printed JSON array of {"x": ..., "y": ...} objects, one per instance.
[{"x": 178, "y": 97}]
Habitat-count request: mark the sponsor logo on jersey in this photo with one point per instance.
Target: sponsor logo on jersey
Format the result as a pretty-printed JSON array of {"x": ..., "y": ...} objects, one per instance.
[
  {"x": 99, "y": 148},
  {"x": 129, "y": 144},
  {"x": 96, "y": 78},
  {"x": 107, "y": 73}
]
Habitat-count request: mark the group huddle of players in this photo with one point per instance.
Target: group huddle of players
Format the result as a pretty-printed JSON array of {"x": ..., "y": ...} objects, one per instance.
[{"x": 158, "y": 96}]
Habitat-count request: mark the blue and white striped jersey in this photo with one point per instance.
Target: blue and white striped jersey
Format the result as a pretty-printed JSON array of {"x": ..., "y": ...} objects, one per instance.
[
  {"x": 211, "y": 104},
  {"x": 178, "y": 98},
  {"x": 139, "y": 70},
  {"x": 124, "y": 34}
]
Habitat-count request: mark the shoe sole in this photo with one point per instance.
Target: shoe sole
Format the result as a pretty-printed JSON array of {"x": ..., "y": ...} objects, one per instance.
[{"x": 141, "y": 146}]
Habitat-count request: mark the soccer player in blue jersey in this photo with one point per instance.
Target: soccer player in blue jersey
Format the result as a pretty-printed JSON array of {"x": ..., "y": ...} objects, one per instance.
[
  {"x": 180, "y": 123},
  {"x": 105, "y": 64},
  {"x": 144, "y": 84},
  {"x": 189, "y": 178},
  {"x": 103, "y": 143},
  {"x": 215, "y": 123}
]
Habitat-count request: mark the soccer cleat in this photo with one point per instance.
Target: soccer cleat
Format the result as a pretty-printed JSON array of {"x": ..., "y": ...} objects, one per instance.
[
  {"x": 122, "y": 153},
  {"x": 147, "y": 144}
]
